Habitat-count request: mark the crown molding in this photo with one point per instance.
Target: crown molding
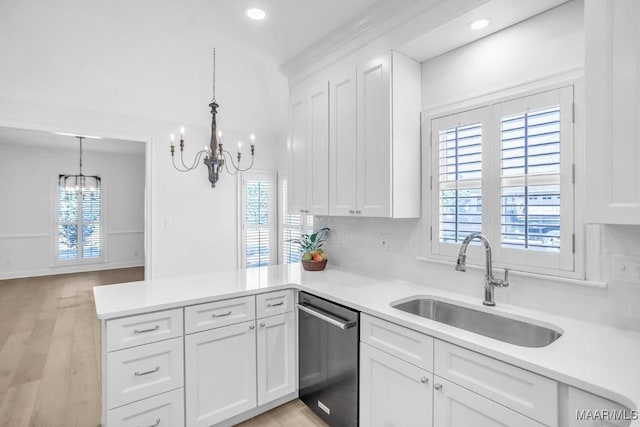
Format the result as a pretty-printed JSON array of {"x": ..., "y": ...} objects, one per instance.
[{"x": 374, "y": 22}]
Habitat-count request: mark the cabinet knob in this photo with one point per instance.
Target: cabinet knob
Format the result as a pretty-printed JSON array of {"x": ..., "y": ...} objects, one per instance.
[
  {"x": 301, "y": 210},
  {"x": 252, "y": 326},
  {"x": 261, "y": 323},
  {"x": 424, "y": 380},
  {"x": 358, "y": 212},
  {"x": 351, "y": 211},
  {"x": 437, "y": 386}
]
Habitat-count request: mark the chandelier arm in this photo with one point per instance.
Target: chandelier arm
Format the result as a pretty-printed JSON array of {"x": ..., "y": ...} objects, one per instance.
[
  {"x": 173, "y": 160},
  {"x": 237, "y": 167},
  {"x": 226, "y": 166}
]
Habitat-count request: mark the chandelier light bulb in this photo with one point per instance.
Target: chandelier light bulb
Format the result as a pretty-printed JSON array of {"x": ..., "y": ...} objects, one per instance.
[{"x": 239, "y": 147}]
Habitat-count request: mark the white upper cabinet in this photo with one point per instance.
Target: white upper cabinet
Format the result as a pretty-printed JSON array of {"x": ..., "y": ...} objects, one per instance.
[
  {"x": 612, "y": 76},
  {"x": 361, "y": 141},
  {"x": 388, "y": 140},
  {"x": 309, "y": 151},
  {"x": 342, "y": 143},
  {"x": 297, "y": 154}
]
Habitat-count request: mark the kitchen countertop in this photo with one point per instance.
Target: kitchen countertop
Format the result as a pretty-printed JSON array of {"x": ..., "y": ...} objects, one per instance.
[{"x": 599, "y": 359}]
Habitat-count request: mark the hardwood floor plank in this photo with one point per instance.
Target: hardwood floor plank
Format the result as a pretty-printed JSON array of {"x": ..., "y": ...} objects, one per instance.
[
  {"x": 16, "y": 409},
  {"x": 10, "y": 357}
]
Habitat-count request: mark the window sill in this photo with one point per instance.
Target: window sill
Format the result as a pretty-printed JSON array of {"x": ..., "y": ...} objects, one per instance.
[{"x": 566, "y": 280}]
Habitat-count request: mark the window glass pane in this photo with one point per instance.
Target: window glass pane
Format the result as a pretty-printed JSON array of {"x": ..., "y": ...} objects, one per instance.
[
  {"x": 257, "y": 247},
  {"x": 531, "y": 213},
  {"x": 460, "y": 160},
  {"x": 257, "y": 201},
  {"x": 67, "y": 241},
  {"x": 531, "y": 217},
  {"x": 91, "y": 241},
  {"x": 67, "y": 205},
  {"x": 91, "y": 205}
]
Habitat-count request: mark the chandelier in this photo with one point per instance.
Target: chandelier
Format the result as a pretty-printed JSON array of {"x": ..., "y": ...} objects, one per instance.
[
  {"x": 79, "y": 182},
  {"x": 215, "y": 157}
]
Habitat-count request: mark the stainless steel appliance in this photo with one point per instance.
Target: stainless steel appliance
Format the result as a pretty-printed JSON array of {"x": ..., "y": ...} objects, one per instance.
[{"x": 328, "y": 359}]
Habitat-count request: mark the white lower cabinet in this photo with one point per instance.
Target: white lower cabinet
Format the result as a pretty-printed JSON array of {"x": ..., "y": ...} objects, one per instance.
[
  {"x": 393, "y": 392},
  {"x": 220, "y": 373},
  {"x": 588, "y": 410},
  {"x": 276, "y": 355},
  {"x": 166, "y": 409},
  {"x": 455, "y": 406}
]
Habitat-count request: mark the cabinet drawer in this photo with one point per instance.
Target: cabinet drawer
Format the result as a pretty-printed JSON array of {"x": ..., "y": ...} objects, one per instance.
[
  {"x": 523, "y": 391},
  {"x": 273, "y": 303},
  {"x": 139, "y": 372},
  {"x": 407, "y": 344},
  {"x": 215, "y": 314},
  {"x": 143, "y": 329},
  {"x": 166, "y": 409}
]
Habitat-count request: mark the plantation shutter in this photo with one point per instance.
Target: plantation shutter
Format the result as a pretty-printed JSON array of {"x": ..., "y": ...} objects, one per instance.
[
  {"x": 257, "y": 224},
  {"x": 292, "y": 226},
  {"x": 457, "y": 151},
  {"x": 536, "y": 180}
]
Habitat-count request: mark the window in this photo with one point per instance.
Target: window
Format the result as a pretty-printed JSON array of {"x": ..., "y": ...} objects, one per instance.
[
  {"x": 79, "y": 223},
  {"x": 257, "y": 247},
  {"x": 292, "y": 226},
  {"x": 506, "y": 170}
]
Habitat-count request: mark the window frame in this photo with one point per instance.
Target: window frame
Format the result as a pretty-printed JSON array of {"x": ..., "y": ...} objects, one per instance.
[
  {"x": 272, "y": 226},
  {"x": 438, "y": 252},
  {"x": 103, "y": 258}
]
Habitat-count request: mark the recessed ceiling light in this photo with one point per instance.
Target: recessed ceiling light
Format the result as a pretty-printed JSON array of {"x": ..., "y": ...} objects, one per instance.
[
  {"x": 478, "y": 24},
  {"x": 255, "y": 13}
]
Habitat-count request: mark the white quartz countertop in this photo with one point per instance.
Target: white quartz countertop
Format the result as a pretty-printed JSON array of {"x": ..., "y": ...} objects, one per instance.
[{"x": 599, "y": 359}]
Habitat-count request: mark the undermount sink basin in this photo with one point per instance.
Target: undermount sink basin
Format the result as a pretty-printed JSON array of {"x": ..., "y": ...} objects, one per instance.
[{"x": 513, "y": 331}]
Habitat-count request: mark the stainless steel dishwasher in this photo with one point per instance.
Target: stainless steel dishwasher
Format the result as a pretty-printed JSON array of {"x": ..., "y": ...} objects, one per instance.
[{"x": 328, "y": 359}]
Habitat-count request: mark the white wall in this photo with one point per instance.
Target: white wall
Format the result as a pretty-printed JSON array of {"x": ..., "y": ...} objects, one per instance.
[
  {"x": 554, "y": 43},
  {"x": 27, "y": 231},
  {"x": 137, "y": 71}
]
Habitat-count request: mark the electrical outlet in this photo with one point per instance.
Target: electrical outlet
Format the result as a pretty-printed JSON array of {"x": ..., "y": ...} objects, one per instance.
[
  {"x": 384, "y": 242},
  {"x": 626, "y": 268}
]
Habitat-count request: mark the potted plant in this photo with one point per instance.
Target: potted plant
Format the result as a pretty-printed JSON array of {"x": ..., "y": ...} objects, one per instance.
[{"x": 310, "y": 246}]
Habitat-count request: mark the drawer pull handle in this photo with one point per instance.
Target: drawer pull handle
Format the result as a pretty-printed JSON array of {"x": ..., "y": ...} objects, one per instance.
[
  {"x": 144, "y": 331},
  {"x": 275, "y": 304},
  {"x": 424, "y": 380},
  {"x": 152, "y": 371},
  {"x": 156, "y": 424},
  {"x": 437, "y": 386},
  {"x": 221, "y": 315}
]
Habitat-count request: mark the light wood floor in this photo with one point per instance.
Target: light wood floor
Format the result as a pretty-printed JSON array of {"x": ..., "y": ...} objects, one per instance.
[
  {"x": 50, "y": 349},
  {"x": 292, "y": 414},
  {"x": 50, "y": 354}
]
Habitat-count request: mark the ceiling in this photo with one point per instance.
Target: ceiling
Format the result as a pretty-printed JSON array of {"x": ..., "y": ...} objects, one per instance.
[{"x": 51, "y": 141}]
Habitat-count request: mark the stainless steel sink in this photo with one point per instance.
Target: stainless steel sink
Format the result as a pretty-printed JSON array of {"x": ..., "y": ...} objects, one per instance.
[{"x": 491, "y": 325}]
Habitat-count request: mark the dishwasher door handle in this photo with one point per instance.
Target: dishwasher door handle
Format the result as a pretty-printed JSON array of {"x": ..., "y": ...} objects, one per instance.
[{"x": 327, "y": 317}]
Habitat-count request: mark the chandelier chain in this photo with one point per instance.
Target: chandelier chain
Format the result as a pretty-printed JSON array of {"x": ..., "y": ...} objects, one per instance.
[{"x": 214, "y": 75}]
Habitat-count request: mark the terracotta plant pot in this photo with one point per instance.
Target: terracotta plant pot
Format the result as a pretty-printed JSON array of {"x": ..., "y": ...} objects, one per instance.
[{"x": 314, "y": 265}]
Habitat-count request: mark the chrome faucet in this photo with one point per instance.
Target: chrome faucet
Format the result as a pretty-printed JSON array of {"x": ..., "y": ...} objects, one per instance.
[{"x": 490, "y": 282}]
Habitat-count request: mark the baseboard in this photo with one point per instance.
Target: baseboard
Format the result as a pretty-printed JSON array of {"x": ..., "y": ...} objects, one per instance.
[{"x": 70, "y": 269}]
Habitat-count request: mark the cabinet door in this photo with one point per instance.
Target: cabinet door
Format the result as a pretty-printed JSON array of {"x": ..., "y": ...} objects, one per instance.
[
  {"x": 393, "y": 392},
  {"x": 588, "y": 410},
  {"x": 220, "y": 369},
  {"x": 342, "y": 144},
  {"x": 317, "y": 150},
  {"x": 296, "y": 183},
  {"x": 374, "y": 137},
  {"x": 276, "y": 357},
  {"x": 612, "y": 77},
  {"x": 454, "y": 406}
]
